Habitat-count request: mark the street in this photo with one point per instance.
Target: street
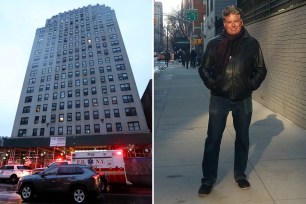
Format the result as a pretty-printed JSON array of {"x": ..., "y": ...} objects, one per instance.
[{"x": 117, "y": 195}]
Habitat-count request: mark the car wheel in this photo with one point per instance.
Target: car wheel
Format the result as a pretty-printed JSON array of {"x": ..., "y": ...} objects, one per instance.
[
  {"x": 26, "y": 192},
  {"x": 13, "y": 179},
  {"x": 79, "y": 195}
]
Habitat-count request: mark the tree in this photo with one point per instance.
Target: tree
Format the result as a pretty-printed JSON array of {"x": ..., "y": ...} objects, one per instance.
[{"x": 177, "y": 25}]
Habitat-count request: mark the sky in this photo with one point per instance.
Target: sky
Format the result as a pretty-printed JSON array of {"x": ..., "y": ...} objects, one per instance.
[{"x": 19, "y": 20}]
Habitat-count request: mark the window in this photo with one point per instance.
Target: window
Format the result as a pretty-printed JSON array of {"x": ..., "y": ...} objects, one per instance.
[
  {"x": 22, "y": 132},
  {"x": 62, "y": 105},
  {"x": 55, "y": 86},
  {"x": 26, "y": 109},
  {"x": 77, "y": 92},
  {"x": 122, "y": 76},
  {"x": 133, "y": 126},
  {"x": 112, "y": 88},
  {"x": 69, "y": 130},
  {"x": 24, "y": 121},
  {"x": 78, "y": 129},
  {"x": 85, "y": 81},
  {"x": 94, "y": 102},
  {"x": 93, "y": 90},
  {"x": 69, "y": 93},
  {"x": 127, "y": 98},
  {"x": 107, "y": 113},
  {"x": 45, "y": 107},
  {"x": 130, "y": 111},
  {"x": 104, "y": 89},
  {"x": 105, "y": 101},
  {"x": 101, "y": 70},
  {"x": 42, "y": 132},
  {"x": 39, "y": 97},
  {"x": 43, "y": 119},
  {"x": 118, "y": 127},
  {"x": 61, "y": 118},
  {"x": 86, "y": 103},
  {"x": 87, "y": 129},
  {"x": 41, "y": 88},
  {"x": 53, "y": 106},
  {"x": 95, "y": 114},
  {"x": 86, "y": 115},
  {"x": 118, "y": 58},
  {"x": 85, "y": 92},
  {"x": 120, "y": 67},
  {"x": 92, "y": 80},
  {"x": 109, "y": 127},
  {"x": 69, "y": 104},
  {"x": 53, "y": 118},
  {"x": 125, "y": 87},
  {"x": 78, "y": 116},
  {"x": 62, "y": 94},
  {"x": 116, "y": 113},
  {"x": 110, "y": 78},
  {"x": 63, "y": 85},
  {"x": 28, "y": 99},
  {"x": 60, "y": 130},
  {"x": 77, "y": 104},
  {"x": 114, "y": 100},
  {"x": 97, "y": 128},
  {"x": 52, "y": 130},
  {"x": 102, "y": 79},
  {"x": 69, "y": 116},
  {"x": 30, "y": 89},
  {"x": 34, "y": 132}
]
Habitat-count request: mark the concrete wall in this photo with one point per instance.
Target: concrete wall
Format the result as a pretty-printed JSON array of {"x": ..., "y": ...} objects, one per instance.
[{"x": 283, "y": 41}]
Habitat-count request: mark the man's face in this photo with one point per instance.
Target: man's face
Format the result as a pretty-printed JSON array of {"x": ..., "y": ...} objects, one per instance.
[{"x": 233, "y": 24}]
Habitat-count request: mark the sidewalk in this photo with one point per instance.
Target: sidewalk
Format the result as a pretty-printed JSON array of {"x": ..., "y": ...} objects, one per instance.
[{"x": 277, "y": 157}]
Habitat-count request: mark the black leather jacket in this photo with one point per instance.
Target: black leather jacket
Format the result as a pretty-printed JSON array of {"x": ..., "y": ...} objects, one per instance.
[{"x": 244, "y": 73}]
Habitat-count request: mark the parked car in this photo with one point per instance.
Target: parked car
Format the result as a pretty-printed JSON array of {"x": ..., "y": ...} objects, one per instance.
[
  {"x": 37, "y": 170},
  {"x": 81, "y": 182},
  {"x": 13, "y": 172}
]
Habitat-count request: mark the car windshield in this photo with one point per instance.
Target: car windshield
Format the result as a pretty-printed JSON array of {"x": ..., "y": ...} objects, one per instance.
[{"x": 7, "y": 167}]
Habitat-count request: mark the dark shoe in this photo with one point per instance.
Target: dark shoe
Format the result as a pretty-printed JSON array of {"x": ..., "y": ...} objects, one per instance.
[
  {"x": 205, "y": 189},
  {"x": 243, "y": 183}
]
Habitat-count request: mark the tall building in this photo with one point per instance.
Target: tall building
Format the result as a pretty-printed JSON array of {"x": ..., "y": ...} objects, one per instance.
[
  {"x": 79, "y": 81},
  {"x": 158, "y": 27}
]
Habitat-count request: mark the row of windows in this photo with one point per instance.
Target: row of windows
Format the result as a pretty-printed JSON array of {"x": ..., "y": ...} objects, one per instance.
[
  {"x": 33, "y": 73},
  {"x": 61, "y": 105},
  {"x": 87, "y": 129},
  {"x": 84, "y": 63},
  {"x": 131, "y": 111},
  {"x": 121, "y": 77},
  {"x": 76, "y": 57}
]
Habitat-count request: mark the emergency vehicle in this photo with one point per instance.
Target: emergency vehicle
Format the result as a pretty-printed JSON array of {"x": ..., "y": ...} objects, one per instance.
[{"x": 108, "y": 163}]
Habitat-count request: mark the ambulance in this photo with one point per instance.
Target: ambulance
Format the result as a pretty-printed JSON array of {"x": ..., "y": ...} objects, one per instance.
[{"x": 108, "y": 163}]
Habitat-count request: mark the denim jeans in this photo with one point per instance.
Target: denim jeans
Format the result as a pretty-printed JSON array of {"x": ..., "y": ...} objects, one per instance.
[{"x": 219, "y": 109}]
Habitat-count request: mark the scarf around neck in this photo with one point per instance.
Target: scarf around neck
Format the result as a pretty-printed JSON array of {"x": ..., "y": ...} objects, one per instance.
[{"x": 225, "y": 47}]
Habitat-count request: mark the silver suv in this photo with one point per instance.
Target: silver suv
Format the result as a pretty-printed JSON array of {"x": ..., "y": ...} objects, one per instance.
[
  {"x": 13, "y": 172},
  {"x": 77, "y": 181}
]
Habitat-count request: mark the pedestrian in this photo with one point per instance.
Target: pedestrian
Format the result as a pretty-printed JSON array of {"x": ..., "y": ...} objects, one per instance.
[
  {"x": 232, "y": 67},
  {"x": 183, "y": 58},
  {"x": 193, "y": 56},
  {"x": 187, "y": 58}
]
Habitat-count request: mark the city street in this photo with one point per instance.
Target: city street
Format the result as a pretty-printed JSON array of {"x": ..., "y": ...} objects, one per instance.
[{"x": 122, "y": 195}]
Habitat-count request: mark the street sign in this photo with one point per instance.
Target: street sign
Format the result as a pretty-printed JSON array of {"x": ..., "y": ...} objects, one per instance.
[{"x": 192, "y": 15}]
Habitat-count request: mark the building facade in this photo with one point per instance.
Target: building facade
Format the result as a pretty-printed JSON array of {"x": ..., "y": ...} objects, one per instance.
[
  {"x": 79, "y": 80},
  {"x": 158, "y": 27}
]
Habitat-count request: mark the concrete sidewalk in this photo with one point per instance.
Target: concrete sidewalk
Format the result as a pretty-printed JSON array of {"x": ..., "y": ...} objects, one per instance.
[{"x": 277, "y": 157}]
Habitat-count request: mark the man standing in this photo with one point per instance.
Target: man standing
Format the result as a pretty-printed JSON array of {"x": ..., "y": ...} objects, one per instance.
[{"x": 232, "y": 67}]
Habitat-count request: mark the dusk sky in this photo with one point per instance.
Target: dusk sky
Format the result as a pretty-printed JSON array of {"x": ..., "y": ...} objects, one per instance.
[{"x": 20, "y": 19}]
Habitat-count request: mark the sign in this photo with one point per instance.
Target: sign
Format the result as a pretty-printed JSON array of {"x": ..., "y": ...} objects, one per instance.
[
  {"x": 57, "y": 141},
  {"x": 192, "y": 15}
]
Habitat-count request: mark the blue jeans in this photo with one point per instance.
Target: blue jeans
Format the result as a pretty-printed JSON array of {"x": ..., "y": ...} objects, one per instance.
[{"x": 218, "y": 111}]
